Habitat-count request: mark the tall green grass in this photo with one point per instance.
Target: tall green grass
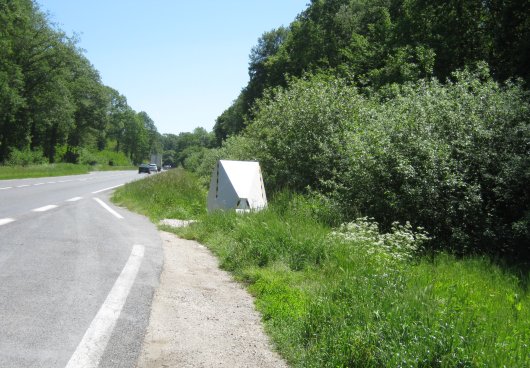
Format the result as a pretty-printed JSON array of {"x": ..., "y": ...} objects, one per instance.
[
  {"x": 349, "y": 296},
  {"x": 170, "y": 194}
]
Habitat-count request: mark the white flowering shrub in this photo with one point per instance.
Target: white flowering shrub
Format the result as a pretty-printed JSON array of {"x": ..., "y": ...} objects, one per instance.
[{"x": 402, "y": 243}]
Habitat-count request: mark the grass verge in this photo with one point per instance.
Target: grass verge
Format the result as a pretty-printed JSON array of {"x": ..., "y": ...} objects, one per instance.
[
  {"x": 38, "y": 171},
  {"x": 60, "y": 169},
  {"x": 170, "y": 194},
  {"x": 352, "y": 297}
]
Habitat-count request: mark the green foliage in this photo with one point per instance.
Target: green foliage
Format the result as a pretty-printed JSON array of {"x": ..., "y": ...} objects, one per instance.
[
  {"x": 376, "y": 43},
  {"x": 51, "y": 96},
  {"x": 452, "y": 158},
  {"x": 186, "y": 148},
  {"x": 352, "y": 296},
  {"x": 26, "y": 158},
  {"x": 43, "y": 170},
  {"x": 106, "y": 157},
  {"x": 171, "y": 194}
]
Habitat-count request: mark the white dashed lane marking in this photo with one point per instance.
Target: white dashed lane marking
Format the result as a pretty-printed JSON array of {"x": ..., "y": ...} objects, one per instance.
[
  {"x": 75, "y": 199},
  {"x": 45, "y": 208},
  {"x": 5, "y": 188},
  {"x": 23, "y": 186},
  {"x": 5, "y": 221}
]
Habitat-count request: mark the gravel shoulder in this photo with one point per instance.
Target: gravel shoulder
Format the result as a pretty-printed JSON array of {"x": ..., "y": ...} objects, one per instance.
[{"x": 201, "y": 317}]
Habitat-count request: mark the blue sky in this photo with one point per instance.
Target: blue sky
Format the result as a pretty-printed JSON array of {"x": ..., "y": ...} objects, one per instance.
[{"x": 182, "y": 62}]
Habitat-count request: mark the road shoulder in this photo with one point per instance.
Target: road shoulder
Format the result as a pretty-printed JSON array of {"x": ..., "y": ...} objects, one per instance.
[{"x": 201, "y": 317}]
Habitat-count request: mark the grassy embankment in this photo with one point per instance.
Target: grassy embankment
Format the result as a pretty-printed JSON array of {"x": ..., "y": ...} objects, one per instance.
[
  {"x": 38, "y": 171},
  {"x": 351, "y": 297}
]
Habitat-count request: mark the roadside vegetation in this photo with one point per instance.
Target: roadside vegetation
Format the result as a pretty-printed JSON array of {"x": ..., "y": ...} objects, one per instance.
[
  {"x": 394, "y": 139},
  {"x": 351, "y": 295},
  {"x": 54, "y": 107},
  {"x": 394, "y": 142},
  {"x": 32, "y": 164},
  {"x": 172, "y": 194}
]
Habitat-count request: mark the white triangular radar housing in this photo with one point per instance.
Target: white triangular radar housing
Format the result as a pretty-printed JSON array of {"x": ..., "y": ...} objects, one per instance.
[{"x": 237, "y": 185}]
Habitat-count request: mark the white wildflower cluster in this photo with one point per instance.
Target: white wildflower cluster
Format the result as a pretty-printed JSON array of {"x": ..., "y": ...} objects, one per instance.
[{"x": 400, "y": 244}]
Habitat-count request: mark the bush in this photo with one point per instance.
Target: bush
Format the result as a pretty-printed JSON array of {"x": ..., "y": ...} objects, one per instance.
[
  {"x": 105, "y": 157},
  {"x": 453, "y": 158},
  {"x": 26, "y": 157}
]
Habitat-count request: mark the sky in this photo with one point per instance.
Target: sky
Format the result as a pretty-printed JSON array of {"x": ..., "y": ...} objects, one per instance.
[{"x": 181, "y": 61}]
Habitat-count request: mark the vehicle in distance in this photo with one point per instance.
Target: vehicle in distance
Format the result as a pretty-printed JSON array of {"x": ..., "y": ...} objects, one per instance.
[
  {"x": 153, "y": 167},
  {"x": 144, "y": 168}
]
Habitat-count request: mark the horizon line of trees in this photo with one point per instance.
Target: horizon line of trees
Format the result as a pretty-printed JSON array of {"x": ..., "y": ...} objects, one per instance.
[
  {"x": 53, "y": 104},
  {"x": 374, "y": 43}
]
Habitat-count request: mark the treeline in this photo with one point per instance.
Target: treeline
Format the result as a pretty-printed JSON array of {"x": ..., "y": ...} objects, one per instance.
[
  {"x": 397, "y": 110},
  {"x": 53, "y": 105},
  {"x": 374, "y": 43}
]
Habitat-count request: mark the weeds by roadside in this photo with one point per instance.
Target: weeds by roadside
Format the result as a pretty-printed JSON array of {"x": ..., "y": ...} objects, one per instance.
[
  {"x": 350, "y": 296},
  {"x": 171, "y": 194}
]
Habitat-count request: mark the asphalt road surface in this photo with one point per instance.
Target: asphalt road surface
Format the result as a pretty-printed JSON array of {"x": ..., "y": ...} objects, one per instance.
[{"x": 77, "y": 274}]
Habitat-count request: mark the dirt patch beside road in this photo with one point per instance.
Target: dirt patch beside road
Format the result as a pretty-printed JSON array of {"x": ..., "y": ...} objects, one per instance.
[{"x": 200, "y": 317}]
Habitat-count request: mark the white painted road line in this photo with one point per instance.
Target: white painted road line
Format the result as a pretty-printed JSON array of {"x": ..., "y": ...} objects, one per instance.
[
  {"x": 37, "y": 184},
  {"x": 23, "y": 186},
  {"x": 75, "y": 199},
  {"x": 102, "y": 190},
  {"x": 106, "y": 206},
  {"x": 5, "y": 188},
  {"x": 45, "y": 208},
  {"x": 89, "y": 351},
  {"x": 52, "y": 182},
  {"x": 5, "y": 221}
]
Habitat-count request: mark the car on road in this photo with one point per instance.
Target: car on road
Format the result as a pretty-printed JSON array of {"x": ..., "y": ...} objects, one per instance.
[
  {"x": 144, "y": 168},
  {"x": 153, "y": 167}
]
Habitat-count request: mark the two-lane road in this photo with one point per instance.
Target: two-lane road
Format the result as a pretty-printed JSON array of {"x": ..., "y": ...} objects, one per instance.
[{"x": 77, "y": 274}]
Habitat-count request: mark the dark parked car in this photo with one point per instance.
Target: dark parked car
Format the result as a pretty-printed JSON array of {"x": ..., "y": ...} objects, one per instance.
[{"x": 144, "y": 168}]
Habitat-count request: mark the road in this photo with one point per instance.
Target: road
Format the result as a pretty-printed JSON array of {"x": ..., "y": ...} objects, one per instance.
[{"x": 77, "y": 274}]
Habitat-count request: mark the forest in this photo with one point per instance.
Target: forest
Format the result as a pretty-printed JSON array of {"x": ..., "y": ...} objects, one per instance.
[{"x": 53, "y": 104}]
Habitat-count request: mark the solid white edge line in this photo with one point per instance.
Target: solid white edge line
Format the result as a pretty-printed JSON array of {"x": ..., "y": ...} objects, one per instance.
[
  {"x": 106, "y": 206},
  {"x": 75, "y": 199},
  {"x": 89, "y": 351},
  {"x": 45, "y": 208},
  {"x": 6, "y": 221},
  {"x": 102, "y": 190}
]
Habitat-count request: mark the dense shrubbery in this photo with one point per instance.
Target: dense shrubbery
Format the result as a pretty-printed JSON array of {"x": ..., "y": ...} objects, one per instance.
[
  {"x": 105, "y": 157},
  {"x": 453, "y": 158},
  {"x": 26, "y": 157}
]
